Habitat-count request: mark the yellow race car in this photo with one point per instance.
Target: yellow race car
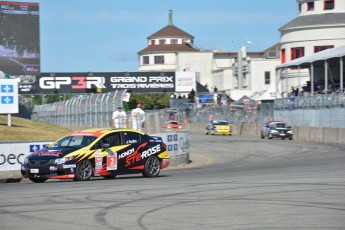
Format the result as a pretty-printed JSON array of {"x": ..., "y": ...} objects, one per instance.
[
  {"x": 97, "y": 152},
  {"x": 218, "y": 127}
]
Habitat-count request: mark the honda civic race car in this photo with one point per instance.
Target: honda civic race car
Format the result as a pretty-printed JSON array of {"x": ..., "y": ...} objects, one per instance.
[
  {"x": 219, "y": 127},
  {"x": 97, "y": 152}
]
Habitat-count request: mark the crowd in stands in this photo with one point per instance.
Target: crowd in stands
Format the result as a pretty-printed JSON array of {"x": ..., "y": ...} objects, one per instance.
[{"x": 333, "y": 87}]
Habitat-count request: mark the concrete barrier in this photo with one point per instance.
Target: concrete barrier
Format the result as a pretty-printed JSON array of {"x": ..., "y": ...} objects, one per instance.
[{"x": 317, "y": 134}]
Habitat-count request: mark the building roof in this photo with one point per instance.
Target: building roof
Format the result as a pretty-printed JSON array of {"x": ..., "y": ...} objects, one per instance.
[
  {"x": 168, "y": 48},
  {"x": 316, "y": 20},
  {"x": 171, "y": 31}
]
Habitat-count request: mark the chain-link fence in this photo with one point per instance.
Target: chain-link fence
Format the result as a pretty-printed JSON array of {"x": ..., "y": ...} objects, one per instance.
[
  {"x": 85, "y": 111},
  {"x": 95, "y": 111},
  {"x": 312, "y": 111}
]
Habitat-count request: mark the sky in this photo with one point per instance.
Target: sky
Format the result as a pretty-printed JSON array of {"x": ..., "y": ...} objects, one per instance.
[{"x": 106, "y": 35}]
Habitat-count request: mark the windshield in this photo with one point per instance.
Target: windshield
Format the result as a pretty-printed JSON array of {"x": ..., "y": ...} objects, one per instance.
[
  {"x": 74, "y": 141},
  {"x": 281, "y": 125},
  {"x": 220, "y": 123}
]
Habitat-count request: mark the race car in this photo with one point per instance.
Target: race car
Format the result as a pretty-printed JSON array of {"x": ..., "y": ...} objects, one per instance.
[
  {"x": 276, "y": 129},
  {"x": 97, "y": 152},
  {"x": 218, "y": 127},
  {"x": 172, "y": 124}
]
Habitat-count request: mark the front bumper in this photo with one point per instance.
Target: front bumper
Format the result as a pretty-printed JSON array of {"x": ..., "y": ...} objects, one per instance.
[
  {"x": 281, "y": 135},
  {"x": 49, "y": 171}
]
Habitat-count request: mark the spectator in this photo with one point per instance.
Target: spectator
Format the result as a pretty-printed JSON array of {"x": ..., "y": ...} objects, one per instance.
[
  {"x": 138, "y": 118},
  {"x": 119, "y": 118}
]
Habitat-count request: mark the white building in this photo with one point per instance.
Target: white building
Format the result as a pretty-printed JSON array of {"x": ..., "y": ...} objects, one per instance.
[
  {"x": 319, "y": 25},
  {"x": 235, "y": 73}
]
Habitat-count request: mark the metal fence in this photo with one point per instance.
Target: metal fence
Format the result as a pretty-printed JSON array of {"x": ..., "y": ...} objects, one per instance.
[
  {"x": 312, "y": 111},
  {"x": 93, "y": 110}
]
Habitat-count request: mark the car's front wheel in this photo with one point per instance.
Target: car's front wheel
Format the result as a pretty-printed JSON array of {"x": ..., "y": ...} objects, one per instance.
[
  {"x": 262, "y": 135},
  {"x": 37, "y": 179},
  {"x": 152, "y": 167},
  {"x": 83, "y": 171}
]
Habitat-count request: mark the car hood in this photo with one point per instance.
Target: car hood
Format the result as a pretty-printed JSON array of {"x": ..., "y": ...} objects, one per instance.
[{"x": 51, "y": 153}]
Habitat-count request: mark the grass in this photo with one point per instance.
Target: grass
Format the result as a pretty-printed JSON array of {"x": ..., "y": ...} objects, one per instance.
[{"x": 28, "y": 130}]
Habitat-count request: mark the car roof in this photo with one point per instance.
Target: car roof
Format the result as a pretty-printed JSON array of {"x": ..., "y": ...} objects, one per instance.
[
  {"x": 97, "y": 132},
  {"x": 219, "y": 121}
]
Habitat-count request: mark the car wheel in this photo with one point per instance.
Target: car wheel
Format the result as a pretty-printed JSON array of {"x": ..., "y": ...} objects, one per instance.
[
  {"x": 206, "y": 132},
  {"x": 290, "y": 138},
  {"x": 152, "y": 167},
  {"x": 37, "y": 179},
  {"x": 283, "y": 138},
  {"x": 83, "y": 171},
  {"x": 270, "y": 136},
  {"x": 262, "y": 136}
]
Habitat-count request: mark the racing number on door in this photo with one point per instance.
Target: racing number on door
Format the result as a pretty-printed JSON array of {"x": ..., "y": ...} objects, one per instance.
[{"x": 112, "y": 161}]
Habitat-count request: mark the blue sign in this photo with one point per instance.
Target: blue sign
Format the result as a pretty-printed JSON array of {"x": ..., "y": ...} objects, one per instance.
[
  {"x": 7, "y": 100},
  {"x": 7, "y": 89},
  {"x": 34, "y": 148}
]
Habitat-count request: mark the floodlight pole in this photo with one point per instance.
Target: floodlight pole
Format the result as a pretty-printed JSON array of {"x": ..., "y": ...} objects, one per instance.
[{"x": 9, "y": 119}]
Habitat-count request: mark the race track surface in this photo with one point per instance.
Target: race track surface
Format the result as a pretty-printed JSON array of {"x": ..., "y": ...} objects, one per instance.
[{"x": 233, "y": 182}]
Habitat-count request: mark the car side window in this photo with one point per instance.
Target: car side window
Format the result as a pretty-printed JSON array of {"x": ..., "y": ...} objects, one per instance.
[
  {"x": 132, "y": 137},
  {"x": 113, "y": 139}
]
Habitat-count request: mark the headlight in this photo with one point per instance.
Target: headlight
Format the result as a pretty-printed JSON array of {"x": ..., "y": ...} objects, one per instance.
[
  {"x": 289, "y": 131},
  {"x": 26, "y": 160},
  {"x": 59, "y": 161}
]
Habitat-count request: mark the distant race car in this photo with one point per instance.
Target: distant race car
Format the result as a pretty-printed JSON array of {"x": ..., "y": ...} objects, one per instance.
[
  {"x": 276, "y": 129},
  {"x": 218, "y": 127},
  {"x": 172, "y": 124},
  {"x": 97, "y": 152}
]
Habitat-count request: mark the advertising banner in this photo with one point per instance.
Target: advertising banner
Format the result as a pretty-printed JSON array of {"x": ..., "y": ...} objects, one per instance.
[
  {"x": 12, "y": 155},
  {"x": 133, "y": 82},
  {"x": 185, "y": 81}
]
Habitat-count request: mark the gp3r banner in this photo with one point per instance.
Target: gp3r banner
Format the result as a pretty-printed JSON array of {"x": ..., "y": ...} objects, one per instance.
[{"x": 133, "y": 82}]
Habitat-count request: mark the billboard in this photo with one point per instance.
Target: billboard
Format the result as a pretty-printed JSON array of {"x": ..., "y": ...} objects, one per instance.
[
  {"x": 19, "y": 39},
  {"x": 69, "y": 83}
]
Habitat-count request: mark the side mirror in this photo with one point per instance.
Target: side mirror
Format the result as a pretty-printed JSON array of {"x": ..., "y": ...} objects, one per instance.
[
  {"x": 289, "y": 127},
  {"x": 105, "y": 145}
]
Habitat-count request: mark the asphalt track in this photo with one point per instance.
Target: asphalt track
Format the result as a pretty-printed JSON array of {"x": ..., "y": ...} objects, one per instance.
[{"x": 232, "y": 183}]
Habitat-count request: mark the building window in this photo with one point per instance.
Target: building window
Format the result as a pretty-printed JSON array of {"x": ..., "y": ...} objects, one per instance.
[
  {"x": 329, "y": 4},
  {"x": 161, "y": 41},
  {"x": 299, "y": 8},
  {"x": 159, "y": 59},
  {"x": 174, "y": 41},
  {"x": 153, "y": 42},
  {"x": 267, "y": 77},
  {"x": 320, "y": 48},
  {"x": 297, "y": 52},
  {"x": 310, "y": 6},
  {"x": 283, "y": 57},
  {"x": 146, "y": 60}
]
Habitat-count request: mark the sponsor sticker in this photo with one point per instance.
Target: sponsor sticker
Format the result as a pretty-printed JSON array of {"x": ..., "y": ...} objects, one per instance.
[
  {"x": 112, "y": 161},
  {"x": 69, "y": 166}
]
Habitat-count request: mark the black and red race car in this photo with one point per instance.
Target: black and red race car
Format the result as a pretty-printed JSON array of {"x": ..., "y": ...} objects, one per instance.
[{"x": 98, "y": 152}]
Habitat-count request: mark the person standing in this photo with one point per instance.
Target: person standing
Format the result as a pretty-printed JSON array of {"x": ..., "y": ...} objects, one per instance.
[
  {"x": 119, "y": 118},
  {"x": 138, "y": 118}
]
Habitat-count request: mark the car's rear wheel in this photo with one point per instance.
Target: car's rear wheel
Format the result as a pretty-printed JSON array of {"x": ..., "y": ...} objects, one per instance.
[
  {"x": 83, "y": 171},
  {"x": 152, "y": 167},
  {"x": 37, "y": 179}
]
